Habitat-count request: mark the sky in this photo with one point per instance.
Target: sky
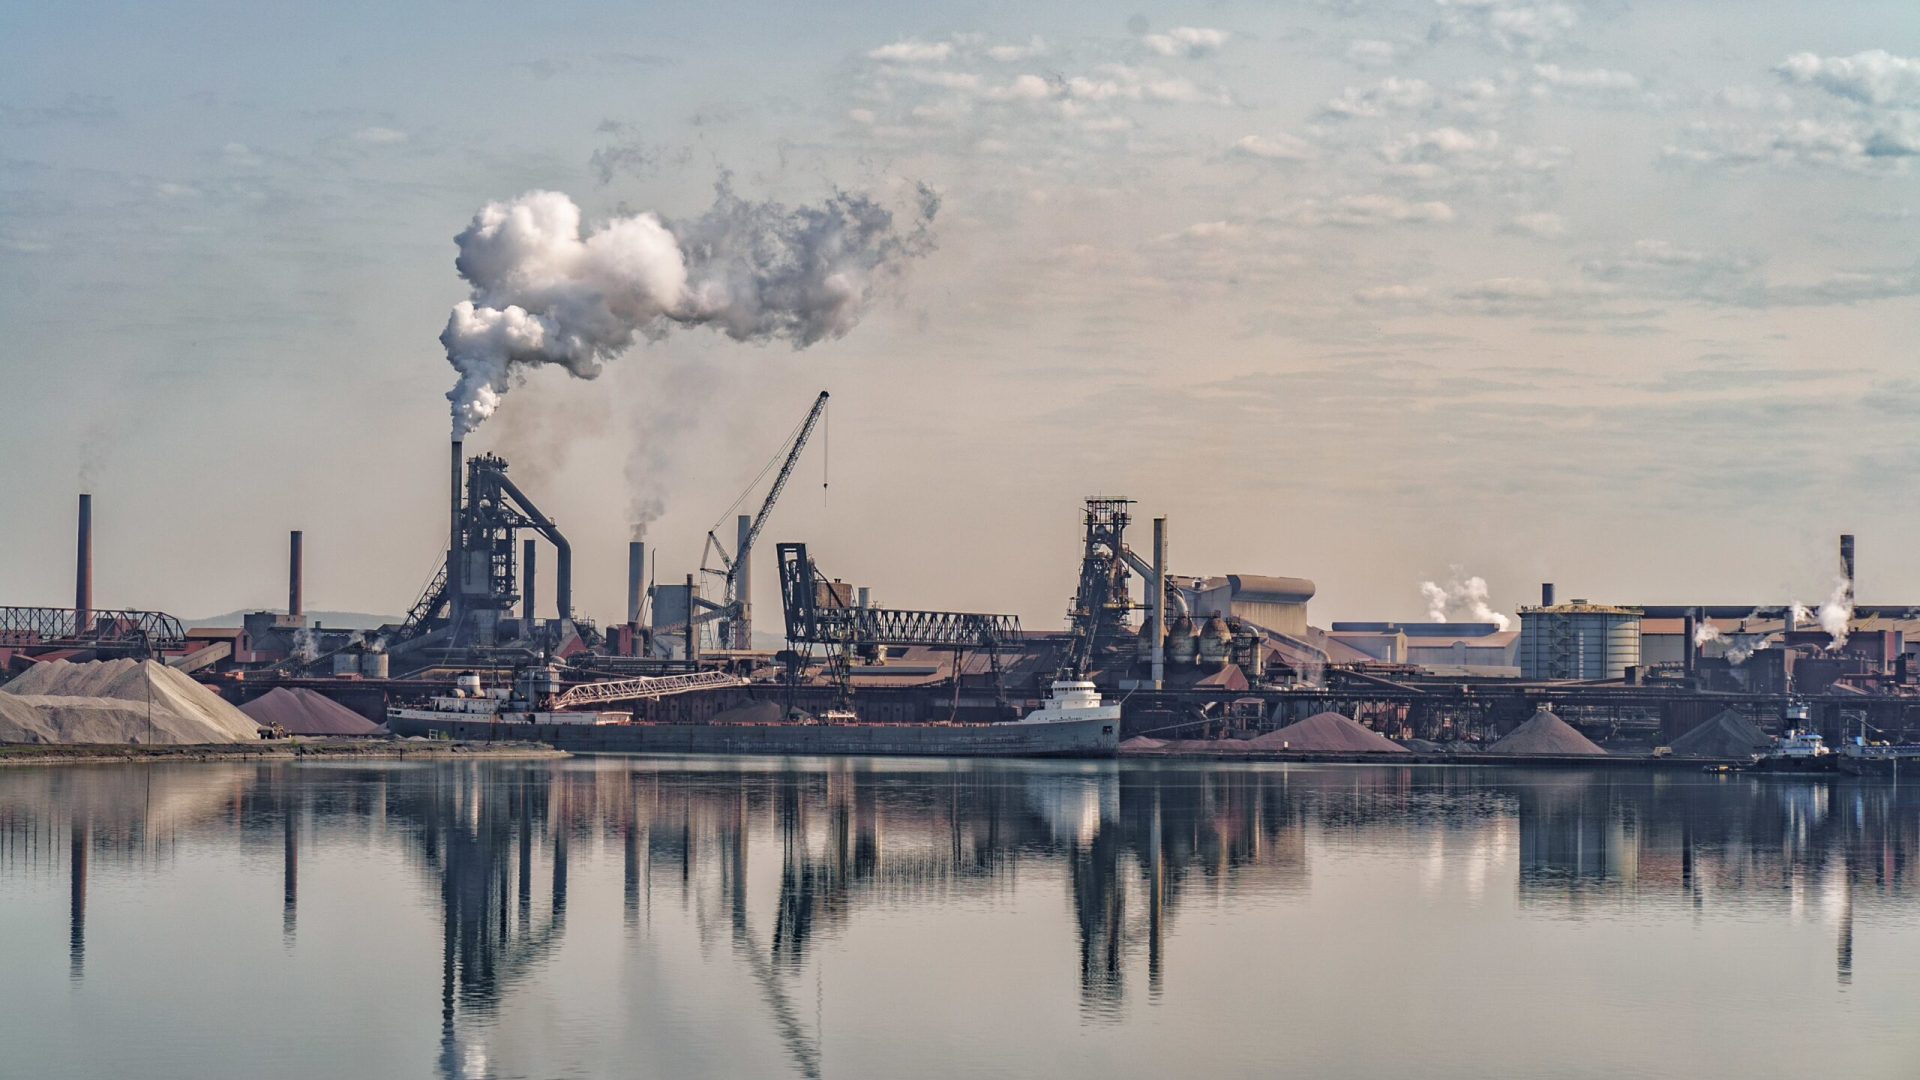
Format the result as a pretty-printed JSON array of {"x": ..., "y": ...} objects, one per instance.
[{"x": 1621, "y": 296}]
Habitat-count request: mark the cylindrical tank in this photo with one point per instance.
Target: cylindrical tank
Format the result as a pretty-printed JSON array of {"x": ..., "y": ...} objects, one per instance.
[
  {"x": 1579, "y": 641},
  {"x": 1247, "y": 652},
  {"x": 1180, "y": 641},
  {"x": 373, "y": 665},
  {"x": 1215, "y": 641},
  {"x": 346, "y": 662}
]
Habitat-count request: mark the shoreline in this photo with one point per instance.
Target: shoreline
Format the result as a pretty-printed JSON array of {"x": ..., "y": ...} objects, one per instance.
[{"x": 275, "y": 750}]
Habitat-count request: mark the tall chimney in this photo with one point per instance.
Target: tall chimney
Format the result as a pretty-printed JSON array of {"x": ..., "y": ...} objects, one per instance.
[
  {"x": 527, "y": 554},
  {"x": 1159, "y": 602},
  {"x": 296, "y": 574},
  {"x": 1688, "y": 650},
  {"x": 636, "y": 580},
  {"x": 693, "y": 650},
  {"x": 453, "y": 538},
  {"x": 1846, "y": 562},
  {"x": 743, "y": 583},
  {"x": 1546, "y": 594},
  {"x": 83, "y": 569}
]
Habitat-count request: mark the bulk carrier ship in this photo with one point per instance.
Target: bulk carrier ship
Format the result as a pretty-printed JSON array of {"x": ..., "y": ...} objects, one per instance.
[{"x": 1072, "y": 722}]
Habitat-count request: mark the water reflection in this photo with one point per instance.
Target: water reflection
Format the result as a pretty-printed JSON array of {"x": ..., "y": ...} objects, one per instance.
[{"x": 771, "y": 860}]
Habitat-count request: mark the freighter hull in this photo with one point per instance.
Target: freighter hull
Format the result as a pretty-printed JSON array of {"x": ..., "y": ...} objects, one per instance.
[{"x": 1094, "y": 737}]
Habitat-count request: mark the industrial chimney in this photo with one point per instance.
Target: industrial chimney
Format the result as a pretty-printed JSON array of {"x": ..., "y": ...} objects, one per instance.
[
  {"x": 1546, "y": 594},
  {"x": 636, "y": 580},
  {"x": 527, "y": 551},
  {"x": 83, "y": 569},
  {"x": 453, "y": 537},
  {"x": 296, "y": 574},
  {"x": 1846, "y": 563}
]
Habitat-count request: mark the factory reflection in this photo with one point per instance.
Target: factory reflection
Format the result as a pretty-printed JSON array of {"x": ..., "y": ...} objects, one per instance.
[{"x": 771, "y": 861}]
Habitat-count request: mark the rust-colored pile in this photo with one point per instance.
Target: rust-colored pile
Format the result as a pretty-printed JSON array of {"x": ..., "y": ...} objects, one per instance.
[
  {"x": 1328, "y": 733},
  {"x": 1545, "y": 735},
  {"x": 307, "y": 712}
]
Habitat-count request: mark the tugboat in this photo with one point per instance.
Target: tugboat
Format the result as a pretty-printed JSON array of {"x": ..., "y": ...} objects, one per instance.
[{"x": 1799, "y": 749}]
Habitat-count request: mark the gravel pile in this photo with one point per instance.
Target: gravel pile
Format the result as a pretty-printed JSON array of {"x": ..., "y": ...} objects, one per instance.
[
  {"x": 308, "y": 712},
  {"x": 1545, "y": 735},
  {"x": 754, "y": 712},
  {"x": 1143, "y": 742},
  {"x": 1328, "y": 733},
  {"x": 117, "y": 701},
  {"x": 1727, "y": 735}
]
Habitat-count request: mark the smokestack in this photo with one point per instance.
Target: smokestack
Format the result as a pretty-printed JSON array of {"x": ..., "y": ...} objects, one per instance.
[
  {"x": 83, "y": 569},
  {"x": 1689, "y": 651},
  {"x": 296, "y": 574},
  {"x": 1846, "y": 563},
  {"x": 527, "y": 554},
  {"x": 866, "y": 598},
  {"x": 453, "y": 538},
  {"x": 1159, "y": 605},
  {"x": 1790, "y": 621},
  {"x": 693, "y": 653},
  {"x": 743, "y": 583},
  {"x": 636, "y": 580},
  {"x": 1546, "y": 594}
]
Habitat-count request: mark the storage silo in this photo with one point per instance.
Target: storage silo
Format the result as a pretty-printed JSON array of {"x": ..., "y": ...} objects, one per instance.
[{"x": 1578, "y": 640}]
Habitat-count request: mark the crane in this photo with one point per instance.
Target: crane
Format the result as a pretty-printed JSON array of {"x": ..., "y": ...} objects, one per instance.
[{"x": 735, "y": 612}]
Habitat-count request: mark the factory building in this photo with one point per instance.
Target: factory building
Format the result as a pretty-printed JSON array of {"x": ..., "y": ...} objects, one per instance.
[
  {"x": 1578, "y": 641},
  {"x": 1475, "y": 648},
  {"x": 1273, "y": 603}
]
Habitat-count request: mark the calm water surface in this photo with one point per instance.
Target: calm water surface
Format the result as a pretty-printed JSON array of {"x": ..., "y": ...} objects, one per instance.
[{"x": 868, "y": 918}]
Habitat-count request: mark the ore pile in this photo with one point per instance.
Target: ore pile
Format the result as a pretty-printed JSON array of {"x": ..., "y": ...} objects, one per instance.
[
  {"x": 1727, "y": 735},
  {"x": 307, "y": 712},
  {"x": 117, "y": 701},
  {"x": 1545, "y": 735},
  {"x": 1328, "y": 733},
  {"x": 756, "y": 712}
]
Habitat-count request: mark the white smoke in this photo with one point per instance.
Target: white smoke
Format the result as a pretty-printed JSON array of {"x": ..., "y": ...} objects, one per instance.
[
  {"x": 546, "y": 290},
  {"x": 1704, "y": 631},
  {"x": 1836, "y": 615},
  {"x": 1461, "y": 599}
]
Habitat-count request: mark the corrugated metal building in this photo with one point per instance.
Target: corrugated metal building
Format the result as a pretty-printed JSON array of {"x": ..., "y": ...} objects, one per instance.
[{"x": 1578, "y": 641}]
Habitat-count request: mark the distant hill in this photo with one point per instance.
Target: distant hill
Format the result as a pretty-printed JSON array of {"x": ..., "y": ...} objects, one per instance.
[{"x": 337, "y": 620}]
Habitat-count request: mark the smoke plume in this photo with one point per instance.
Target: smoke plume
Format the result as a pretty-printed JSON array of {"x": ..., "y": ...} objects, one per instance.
[
  {"x": 1461, "y": 599},
  {"x": 1836, "y": 615},
  {"x": 1705, "y": 631},
  {"x": 548, "y": 290}
]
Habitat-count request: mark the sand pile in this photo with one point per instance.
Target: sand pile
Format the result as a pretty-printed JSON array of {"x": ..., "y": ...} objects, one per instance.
[
  {"x": 1328, "y": 733},
  {"x": 308, "y": 712},
  {"x": 1727, "y": 735},
  {"x": 118, "y": 701},
  {"x": 754, "y": 712},
  {"x": 1547, "y": 735},
  {"x": 1143, "y": 742}
]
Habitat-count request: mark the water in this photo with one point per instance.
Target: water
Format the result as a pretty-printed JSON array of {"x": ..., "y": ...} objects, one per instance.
[{"x": 643, "y": 917}]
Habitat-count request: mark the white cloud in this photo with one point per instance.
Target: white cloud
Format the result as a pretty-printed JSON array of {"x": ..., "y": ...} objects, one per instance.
[
  {"x": 863, "y": 117},
  {"x": 1280, "y": 147},
  {"x": 1372, "y": 53},
  {"x": 1366, "y": 211},
  {"x": 1191, "y": 41},
  {"x": 1516, "y": 26},
  {"x": 1595, "y": 79},
  {"x": 1751, "y": 99},
  {"x": 1007, "y": 54},
  {"x": 242, "y": 155},
  {"x": 1874, "y": 77},
  {"x": 913, "y": 52},
  {"x": 1390, "y": 95},
  {"x": 1392, "y": 294},
  {"x": 380, "y": 136},
  {"x": 1542, "y": 225},
  {"x": 1853, "y": 144}
]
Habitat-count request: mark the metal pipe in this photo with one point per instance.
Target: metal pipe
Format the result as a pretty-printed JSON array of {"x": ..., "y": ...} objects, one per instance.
[
  {"x": 1546, "y": 594},
  {"x": 1846, "y": 563},
  {"x": 296, "y": 575},
  {"x": 636, "y": 580},
  {"x": 743, "y": 582},
  {"x": 529, "y": 551},
  {"x": 1159, "y": 607},
  {"x": 563, "y": 551},
  {"x": 83, "y": 569}
]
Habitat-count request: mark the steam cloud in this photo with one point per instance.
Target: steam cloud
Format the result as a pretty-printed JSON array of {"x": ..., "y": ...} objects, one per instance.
[
  {"x": 548, "y": 291},
  {"x": 1705, "y": 631},
  {"x": 1461, "y": 599},
  {"x": 1836, "y": 615}
]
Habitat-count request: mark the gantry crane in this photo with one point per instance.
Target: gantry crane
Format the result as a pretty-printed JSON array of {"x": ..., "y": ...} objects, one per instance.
[{"x": 735, "y": 613}]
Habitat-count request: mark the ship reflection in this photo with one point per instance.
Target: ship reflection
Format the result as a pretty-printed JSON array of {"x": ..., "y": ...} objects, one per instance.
[{"x": 774, "y": 863}]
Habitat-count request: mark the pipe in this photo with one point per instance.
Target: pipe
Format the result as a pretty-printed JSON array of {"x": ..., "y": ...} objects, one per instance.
[
  {"x": 743, "y": 582},
  {"x": 83, "y": 569},
  {"x": 1546, "y": 594},
  {"x": 1159, "y": 586},
  {"x": 563, "y": 551},
  {"x": 296, "y": 575},
  {"x": 528, "y": 555},
  {"x": 636, "y": 580},
  {"x": 1846, "y": 563}
]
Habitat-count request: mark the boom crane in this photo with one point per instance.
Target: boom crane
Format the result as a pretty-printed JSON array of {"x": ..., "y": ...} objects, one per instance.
[{"x": 736, "y": 611}]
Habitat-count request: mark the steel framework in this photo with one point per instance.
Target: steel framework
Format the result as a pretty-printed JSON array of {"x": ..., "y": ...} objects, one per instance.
[
  {"x": 140, "y": 631},
  {"x": 645, "y": 688},
  {"x": 736, "y": 610}
]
